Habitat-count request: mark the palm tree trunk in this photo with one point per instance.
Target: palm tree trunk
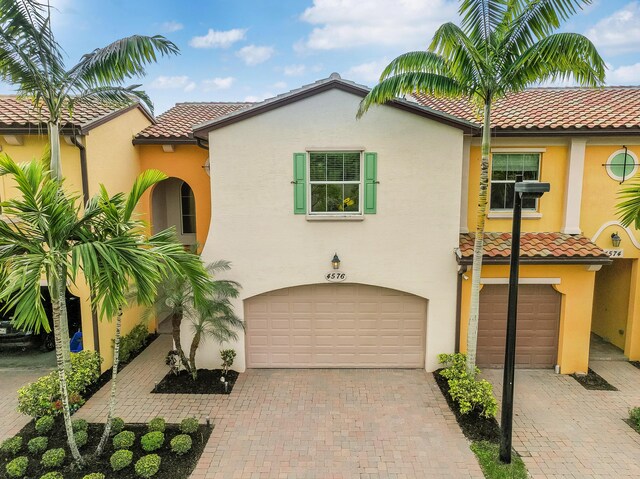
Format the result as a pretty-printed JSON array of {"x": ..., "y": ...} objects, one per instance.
[
  {"x": 176, "y": 321},
  {"x": 478, "y": 247},
  {"x": 195, "y": 343},
  {"x": 57, "y": 290},
  {"x": 54, "y": 142},
  {"x": 114, "y": 377}
]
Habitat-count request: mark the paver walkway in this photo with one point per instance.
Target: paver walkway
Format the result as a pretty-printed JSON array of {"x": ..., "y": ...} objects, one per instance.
[
  {"x": 11, "y": 421},
  {"x": 565, "y": 431},
  {"x": 307, "y": 423}
]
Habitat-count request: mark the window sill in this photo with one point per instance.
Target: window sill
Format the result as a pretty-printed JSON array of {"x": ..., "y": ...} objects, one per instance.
[
  {"x": 335, "y": 217},
  {"x": 526, "y": 215}
]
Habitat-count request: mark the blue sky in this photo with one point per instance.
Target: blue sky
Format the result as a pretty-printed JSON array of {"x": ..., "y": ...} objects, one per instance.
[{"x": 247, "y": 50}]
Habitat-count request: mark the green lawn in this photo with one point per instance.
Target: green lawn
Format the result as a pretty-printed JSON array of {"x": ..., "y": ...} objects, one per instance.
[{"x": 487, "y": 454}]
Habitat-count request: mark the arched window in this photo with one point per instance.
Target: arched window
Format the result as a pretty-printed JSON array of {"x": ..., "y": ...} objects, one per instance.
[{"x": 187, "y": 209}]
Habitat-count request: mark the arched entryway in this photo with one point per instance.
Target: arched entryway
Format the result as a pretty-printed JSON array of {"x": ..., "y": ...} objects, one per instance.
[
  {"x": 335, "y": 325},
  {"x": 173, "y": 204}
]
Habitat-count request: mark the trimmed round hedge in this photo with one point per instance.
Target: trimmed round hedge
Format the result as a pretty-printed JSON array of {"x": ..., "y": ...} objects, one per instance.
[
  {"x": 38, "y": 445},
  {"x": 79, "y": 425},
  {"x": 117, "y": 425},
  {"x": 17, "y": 467},
  {"x": 44, "y": 425},
  {"x": 181, "y": 444},
  {"x": 12, "y": 445},
  {"x": 94, "y": 475},
  {"x": 152, "y": 441},
  {"x": 148, "y": 466},
  {"x": 52, "y": 475},
  {"x": 189, "y": 425},
  {"x": 121, "y": 459},
  {"x": 157, "y": 424},
  {"x": 124, "y": 440},
  {"x": 53, "y": 458}
]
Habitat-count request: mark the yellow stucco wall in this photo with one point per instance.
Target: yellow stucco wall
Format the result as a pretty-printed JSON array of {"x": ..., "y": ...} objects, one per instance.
[
  {"x": 611, "y": 301},
  {"x": 553, "y": 166},
  {"x": 185, "y": 163},
  {"x": 576, "y": 287}
]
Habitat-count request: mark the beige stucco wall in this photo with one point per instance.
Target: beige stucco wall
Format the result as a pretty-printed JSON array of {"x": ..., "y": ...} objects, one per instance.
[{"x": 408, "y": 245}]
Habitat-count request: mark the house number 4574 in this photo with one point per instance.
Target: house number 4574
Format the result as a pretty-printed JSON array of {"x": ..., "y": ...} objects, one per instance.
[{"x": 335, "y": 277}]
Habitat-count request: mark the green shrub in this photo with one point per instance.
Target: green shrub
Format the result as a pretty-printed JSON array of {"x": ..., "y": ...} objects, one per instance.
[
  {"x": 181, "y": 444},
  {"x": 133, "y": 342},
  {"x": 156, "y": 424},
  {"x": 79, "y": 425},
  {"x": 121, "y": 459},
  {"x": 42, "y": 397},
  {"x": 44, "y": 425},
  {"x": 81, "y": 438},
  {"x": 152, "y": 441},
  {"x": 117, "y": 425},
  {"x": 634, "y": 415},
  {"x": 12, "y": 445},
  {"x": 53, "y": 458},
  {"x": 124, "y": 440},
  {"x": 227, "y": 356},
  {"x": 94, "y": 475},
  {"x": 468, "y": 392},
  {"x": 189, "y": 425},
  {"x": 17, "y": 467},
  {"x": 148, "y": 466},
  {"x": 52, "y": 475},
  {"x": 38, "y": 445}
]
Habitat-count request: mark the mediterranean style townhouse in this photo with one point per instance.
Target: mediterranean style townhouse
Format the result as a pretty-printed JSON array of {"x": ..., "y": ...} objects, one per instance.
[{"x": 351, "y": 238}]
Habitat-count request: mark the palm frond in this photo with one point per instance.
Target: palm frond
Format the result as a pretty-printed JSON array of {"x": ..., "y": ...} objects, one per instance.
[
  {"x": 628, "y": 210},
  {"x": 481, "y": 17}
]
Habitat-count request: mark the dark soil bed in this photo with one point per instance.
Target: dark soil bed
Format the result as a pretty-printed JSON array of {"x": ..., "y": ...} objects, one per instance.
[
  {"x": 632, "y": 425},
  {"x": 474, "y": 426},
  {"x": 105, "y": 377},
  {"x": 172, "y": 466},
  {"x": 208, "y": 382},
  {"x": 593, "y": 381},
  {"x": 635, "y": 363}
]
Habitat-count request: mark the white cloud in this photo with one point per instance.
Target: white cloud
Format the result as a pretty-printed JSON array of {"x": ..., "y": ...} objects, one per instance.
[
  {"x": 367, "y": 72},
  {"x": 217, "y": 83},
  {"x": 294, "y": 70},
  {"x": 624, "y": 75},
  {"x": 353, "y": 23},
  {"x": 254, "y": 54},
  {"x": 171, "y": 26},
  {"x": 218, "y": 38},
  {"x": 182, "y": 82},
  {"x": 619, "y": 32}
]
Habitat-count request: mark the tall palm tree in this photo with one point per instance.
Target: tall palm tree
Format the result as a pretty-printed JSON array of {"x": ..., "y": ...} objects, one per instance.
[
  {"x": 628, "y": 209},
  {"x": 501, "y": 47},
  {"x": 33, "y": 61},
  {"x": 47, "y": 234}
]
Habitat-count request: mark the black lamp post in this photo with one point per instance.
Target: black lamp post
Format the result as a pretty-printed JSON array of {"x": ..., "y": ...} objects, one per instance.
[{"x": 522, "y": 190}]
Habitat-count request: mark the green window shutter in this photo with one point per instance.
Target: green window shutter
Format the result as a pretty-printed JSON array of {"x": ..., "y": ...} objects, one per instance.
[
  {"x": 300, "y": 183},
  {"x": 370, "y": 182}
]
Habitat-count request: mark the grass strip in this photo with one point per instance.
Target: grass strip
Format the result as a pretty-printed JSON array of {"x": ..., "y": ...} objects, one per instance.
[{"x": 488, "y": 455}]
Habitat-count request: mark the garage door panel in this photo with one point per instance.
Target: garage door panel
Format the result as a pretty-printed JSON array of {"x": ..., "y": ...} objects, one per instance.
[
  {"x": 537, "y": 328},
  {"x": 336, "y": 326}
]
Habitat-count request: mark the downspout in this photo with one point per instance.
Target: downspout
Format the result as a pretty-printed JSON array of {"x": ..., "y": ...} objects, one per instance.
[
  {"x": 85, "y": 195},
  {"x": 202, "y": 144},
  {"x": 462, "y": 270}
]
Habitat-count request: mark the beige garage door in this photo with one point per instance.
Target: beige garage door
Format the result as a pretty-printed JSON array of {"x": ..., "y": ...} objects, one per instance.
[
  {"x": 537, "y": 329},
  {"x": 335, "y": 325}
]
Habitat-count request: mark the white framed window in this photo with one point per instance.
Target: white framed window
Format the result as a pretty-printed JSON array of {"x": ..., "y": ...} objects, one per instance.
[
  {"x": 335, "y": 182},
  {"x": 504, "y": 168},
  {"x": 622, "y": 165},
  {"x": 187, "y": 209}
]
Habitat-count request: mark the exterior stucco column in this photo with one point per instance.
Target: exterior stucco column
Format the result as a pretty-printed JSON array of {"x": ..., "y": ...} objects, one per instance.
[
  {"x": 573, "y": 190},
  {"x": 632, "y": 342}
]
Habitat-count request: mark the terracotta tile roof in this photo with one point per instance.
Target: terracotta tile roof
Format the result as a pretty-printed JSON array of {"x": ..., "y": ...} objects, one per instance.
[
  {"x": 553, "y": 108},
  {"x": 535, "y": 245},
  {"x": 20, "y": 113},
  {"x": 178, "y": 122}
]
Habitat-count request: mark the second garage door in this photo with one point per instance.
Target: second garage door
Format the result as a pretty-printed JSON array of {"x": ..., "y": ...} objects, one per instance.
[
  {"x": 335, "y": 325},
  {"x": 537, "y": 330}
]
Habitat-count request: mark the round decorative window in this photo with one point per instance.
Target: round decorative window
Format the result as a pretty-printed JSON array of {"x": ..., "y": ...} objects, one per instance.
[{"x": 622, "y": 165}]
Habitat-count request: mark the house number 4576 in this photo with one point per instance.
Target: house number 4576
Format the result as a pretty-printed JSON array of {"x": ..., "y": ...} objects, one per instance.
[{"x": 335, "y": 277}]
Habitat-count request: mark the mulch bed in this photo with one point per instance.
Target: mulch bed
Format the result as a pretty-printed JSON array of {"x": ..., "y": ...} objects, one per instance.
[
  {"x": 474, "y": 426},
  {"x": 632, "y": 425},
  {"x": 171, "y": 466},
  {"x": 593, "y": 381},
  {"x": 105, "y": 377},
  {"x": 635, "y": 363},
  {"x": 207, "y": 382}
]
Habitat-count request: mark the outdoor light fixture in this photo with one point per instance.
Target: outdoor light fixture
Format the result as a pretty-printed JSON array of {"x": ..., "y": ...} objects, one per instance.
[
  {"x": 523, "y": 190},
  {"x": 615, "y": 240},
  {"x": 335, "y": 262}
]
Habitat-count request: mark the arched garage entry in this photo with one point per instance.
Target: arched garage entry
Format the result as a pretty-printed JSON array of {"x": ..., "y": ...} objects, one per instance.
[
  {"x": 173, "y": 204},
  {"x": 335, "y": 326}
]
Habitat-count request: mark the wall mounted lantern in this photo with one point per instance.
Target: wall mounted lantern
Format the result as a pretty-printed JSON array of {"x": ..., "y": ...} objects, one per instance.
[
  {"x": 615, "y": 239},
  {"x": 335, "y": 262}
]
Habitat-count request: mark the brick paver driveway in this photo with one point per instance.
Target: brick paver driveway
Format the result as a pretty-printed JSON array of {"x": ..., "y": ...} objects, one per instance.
[
  {"x": 564, "y": 431},
  {"x": 308, "y": 423}
]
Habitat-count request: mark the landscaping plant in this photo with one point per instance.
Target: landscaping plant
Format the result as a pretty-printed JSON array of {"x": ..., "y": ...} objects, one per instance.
[
  {"x": 133, "y": 341},
  {"x": 12, "y": 445},
  {"x": 38, "y": 445},
  {"x": 45, "y": 424},
  {"x": 81, "y": 438},
  {"x": 52, "y": 475},
  {"x": 634, "y": 417},
  {"x": 181, "y": 444},
  {"x": 148, "y": 466},
  {"x": 121, "y": 459},
  {"x": 53, "y": 458},
  {"x": 94, "y": 475},
  {"x": 157, "y": 424},
  {"x": 117, "y": 425},
  {"x": 499, "y": 47},
  {"x": 227, "y": 356},
  {"x": 124, "y": 440},
  {"x": 17, "y": 467},
  {"x": 189, "y": 425},
  {"x": 152, "y": 441}
]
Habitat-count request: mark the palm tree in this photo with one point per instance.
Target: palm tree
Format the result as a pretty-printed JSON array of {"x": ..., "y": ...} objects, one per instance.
[
  {"x": 215, "y": 317},
  {"x": 501, "y": 47},
  {"x": 47, "y": 234},
  {"x": 629, "y": 207},
  {"x": 32, "y": 60}
]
